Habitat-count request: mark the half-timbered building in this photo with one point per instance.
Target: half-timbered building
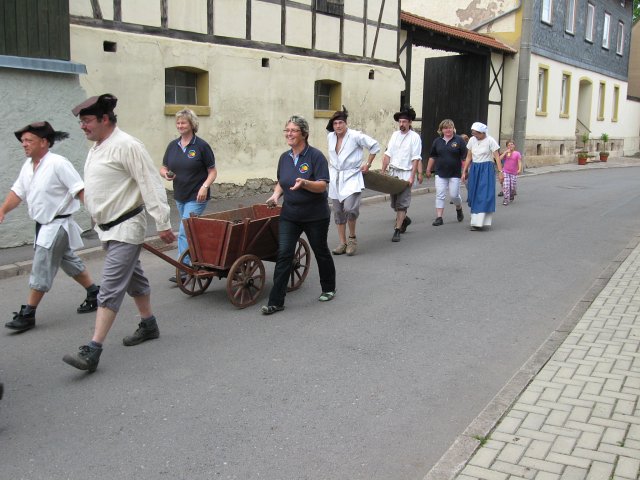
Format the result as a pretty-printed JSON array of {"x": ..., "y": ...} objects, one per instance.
[{"x": 244, "y": 66}]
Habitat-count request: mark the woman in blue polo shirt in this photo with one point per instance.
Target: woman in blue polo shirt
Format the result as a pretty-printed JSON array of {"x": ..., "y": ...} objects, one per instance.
[
  {"x": 190, "y": 164},
  {"x": 303, "y": 176}
]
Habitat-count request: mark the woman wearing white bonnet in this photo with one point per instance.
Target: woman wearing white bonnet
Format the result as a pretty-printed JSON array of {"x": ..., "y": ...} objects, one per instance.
[{"x": 479, "y": 169}]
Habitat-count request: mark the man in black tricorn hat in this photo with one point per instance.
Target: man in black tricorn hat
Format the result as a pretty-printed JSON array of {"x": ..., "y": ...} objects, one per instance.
[
  {"x": 52, "y": 189},
  {"x": 121, "y": 183},
  {"x": 402, "y": 159}
]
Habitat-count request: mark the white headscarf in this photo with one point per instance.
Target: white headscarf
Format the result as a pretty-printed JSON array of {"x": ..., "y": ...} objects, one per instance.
[{"x": 479, "y": 127}]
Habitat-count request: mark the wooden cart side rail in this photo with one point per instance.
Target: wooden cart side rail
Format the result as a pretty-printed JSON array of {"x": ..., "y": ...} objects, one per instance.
[
  {"x": 192, "y": 240},
  {"x": 249, "y": 246}
]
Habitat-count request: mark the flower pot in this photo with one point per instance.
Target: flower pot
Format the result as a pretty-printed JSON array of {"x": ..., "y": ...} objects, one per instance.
[
  {"x": 604, "y": 156},
  {"x": 582, "y": 159}
]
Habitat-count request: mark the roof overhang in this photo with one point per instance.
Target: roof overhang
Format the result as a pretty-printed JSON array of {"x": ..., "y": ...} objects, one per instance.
[{"x": 432, "y": 34}]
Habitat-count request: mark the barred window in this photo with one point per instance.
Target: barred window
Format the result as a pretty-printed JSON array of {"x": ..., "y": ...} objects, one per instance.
[{"x": 180, "y": 87}]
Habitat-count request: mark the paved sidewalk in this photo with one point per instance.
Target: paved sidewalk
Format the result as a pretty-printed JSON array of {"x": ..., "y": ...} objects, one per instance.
[{"x": 579, "y": 418}]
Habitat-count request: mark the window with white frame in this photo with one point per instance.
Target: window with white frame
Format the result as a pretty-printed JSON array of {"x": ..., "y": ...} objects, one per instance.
[
  {"x": 543, "y": 84},
  {"x": 570, "y": 17},
  {"x": 606, "y": 26},
  {"x": 620, "y": 39},
  {"x": 565, "y": 94},
  {"x": 590, "y": 23},
  {"x": 601, "y": 98},
  {"x": 547, "y": 6}
]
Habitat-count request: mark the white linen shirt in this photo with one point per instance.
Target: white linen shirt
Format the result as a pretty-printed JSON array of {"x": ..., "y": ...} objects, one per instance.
[
  {"x": 120, "y": 176},
  {"x": 51, "y": 190},
  {"x": 345, "y": 177},
  {"x": 403, "y": 149},
  {"x": 482, "y": 150}
]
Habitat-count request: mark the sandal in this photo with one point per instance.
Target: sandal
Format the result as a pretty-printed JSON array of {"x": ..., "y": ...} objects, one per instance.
[
  {"x": 326, "y": 296},
  {"x": 269, "y": 309}
]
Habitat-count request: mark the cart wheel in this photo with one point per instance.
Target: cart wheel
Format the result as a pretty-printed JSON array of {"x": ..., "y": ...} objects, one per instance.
[
  {"x": 300, "y": 266},
  {"x": 245, "y": 281},
  {"x": 191, "y": 284}
]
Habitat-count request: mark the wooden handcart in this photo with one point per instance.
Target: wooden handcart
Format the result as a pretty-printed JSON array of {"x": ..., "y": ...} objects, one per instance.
[{"x": 233, "y": 244}]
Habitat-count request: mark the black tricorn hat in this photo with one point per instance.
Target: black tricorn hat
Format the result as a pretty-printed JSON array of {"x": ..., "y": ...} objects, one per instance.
[
  {"x": 339, "y": 115},
  {"x": 406, "y": 112},
  {"x": 42, "y": 130},
  {"x": 98, "y": 105}
]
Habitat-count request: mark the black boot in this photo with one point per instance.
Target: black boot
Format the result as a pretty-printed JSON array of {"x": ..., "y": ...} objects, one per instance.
[
  {"x": 90, "y": 303},
  {"x": 23, "y": 320},
  {"x": 86, "y": 359},
  {"x": 147, "y": 330},
  {"x": 396, "y": 235},
  {"x": 405, "y": 223}
]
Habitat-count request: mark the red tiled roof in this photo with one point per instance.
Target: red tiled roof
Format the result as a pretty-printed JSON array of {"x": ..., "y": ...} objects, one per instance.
[{"x": 456, "y": 32}]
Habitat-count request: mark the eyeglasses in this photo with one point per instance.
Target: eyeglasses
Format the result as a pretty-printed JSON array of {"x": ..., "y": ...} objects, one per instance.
[
  {"x": 292, "y": 130},
  {"x": 86, "y": 121}
]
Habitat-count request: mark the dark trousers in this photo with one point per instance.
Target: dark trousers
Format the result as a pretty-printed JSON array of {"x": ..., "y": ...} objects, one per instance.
[{"x": 290, "y": 232}]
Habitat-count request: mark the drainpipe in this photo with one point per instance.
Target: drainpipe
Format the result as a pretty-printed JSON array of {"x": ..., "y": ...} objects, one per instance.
[{"x": 522, "y": 93}]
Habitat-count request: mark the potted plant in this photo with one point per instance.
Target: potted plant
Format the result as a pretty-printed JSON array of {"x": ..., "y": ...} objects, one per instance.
[
  {"x": 583, "y": 154},
  {"x": 604, "y": 154}
]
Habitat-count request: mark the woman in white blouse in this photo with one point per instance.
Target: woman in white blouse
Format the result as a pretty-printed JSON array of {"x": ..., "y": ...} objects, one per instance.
[{"x": 479, "y": 169}]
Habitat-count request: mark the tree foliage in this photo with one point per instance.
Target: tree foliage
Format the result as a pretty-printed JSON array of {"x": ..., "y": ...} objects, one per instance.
[{"x": 636, "y": 10}]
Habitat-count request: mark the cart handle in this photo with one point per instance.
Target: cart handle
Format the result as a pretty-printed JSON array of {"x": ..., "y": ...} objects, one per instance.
[{"x": 180, "y": 266}]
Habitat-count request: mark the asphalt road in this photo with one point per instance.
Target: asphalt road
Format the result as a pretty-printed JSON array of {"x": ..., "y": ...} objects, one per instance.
[{"x": 373, "y": 385}]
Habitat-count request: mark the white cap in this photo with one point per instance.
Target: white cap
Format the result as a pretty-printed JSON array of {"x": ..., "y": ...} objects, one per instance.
[{"x": 479, "y": 127}]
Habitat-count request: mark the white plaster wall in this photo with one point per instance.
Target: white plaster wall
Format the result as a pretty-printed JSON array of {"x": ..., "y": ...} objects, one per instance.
[
  {"x": 188, "y": 15},
  {"x": 353, "y": 38},
  {"x": 386, "y": 47},
  {"x": 230, "y": 18},
  {"x": 389, "y": 14},
  {"x": 299, "y": 30},
  {"x": 142, "y": 12},
  {"x": 80, "y": 7},
  {"x": 27, "y": 97},
  {"x": 630, "y": 129},
  {"x": 249, "y": 103},
  {"x": 509, "y": 92},
  {"x": 327, "y": 33},
  {"x": 83, "y": 8},
  {"x": 353, "y": 7},
  {"x": 265, "y": 26}
]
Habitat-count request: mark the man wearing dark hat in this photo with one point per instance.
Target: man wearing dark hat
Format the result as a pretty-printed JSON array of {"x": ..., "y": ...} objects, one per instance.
[
  {"x": 345, "y": 173},
  {"x": 52, "y": 189},
  {"x": 402, "y": 159},
  {"x": 121, "y": 183}
]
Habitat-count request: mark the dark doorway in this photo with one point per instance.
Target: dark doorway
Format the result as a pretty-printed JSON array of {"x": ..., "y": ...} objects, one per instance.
[{"x": 455, "y": 87}]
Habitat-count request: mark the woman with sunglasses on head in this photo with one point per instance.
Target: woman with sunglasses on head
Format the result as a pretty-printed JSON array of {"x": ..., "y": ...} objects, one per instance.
[{"x": 303, "y": 176}]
